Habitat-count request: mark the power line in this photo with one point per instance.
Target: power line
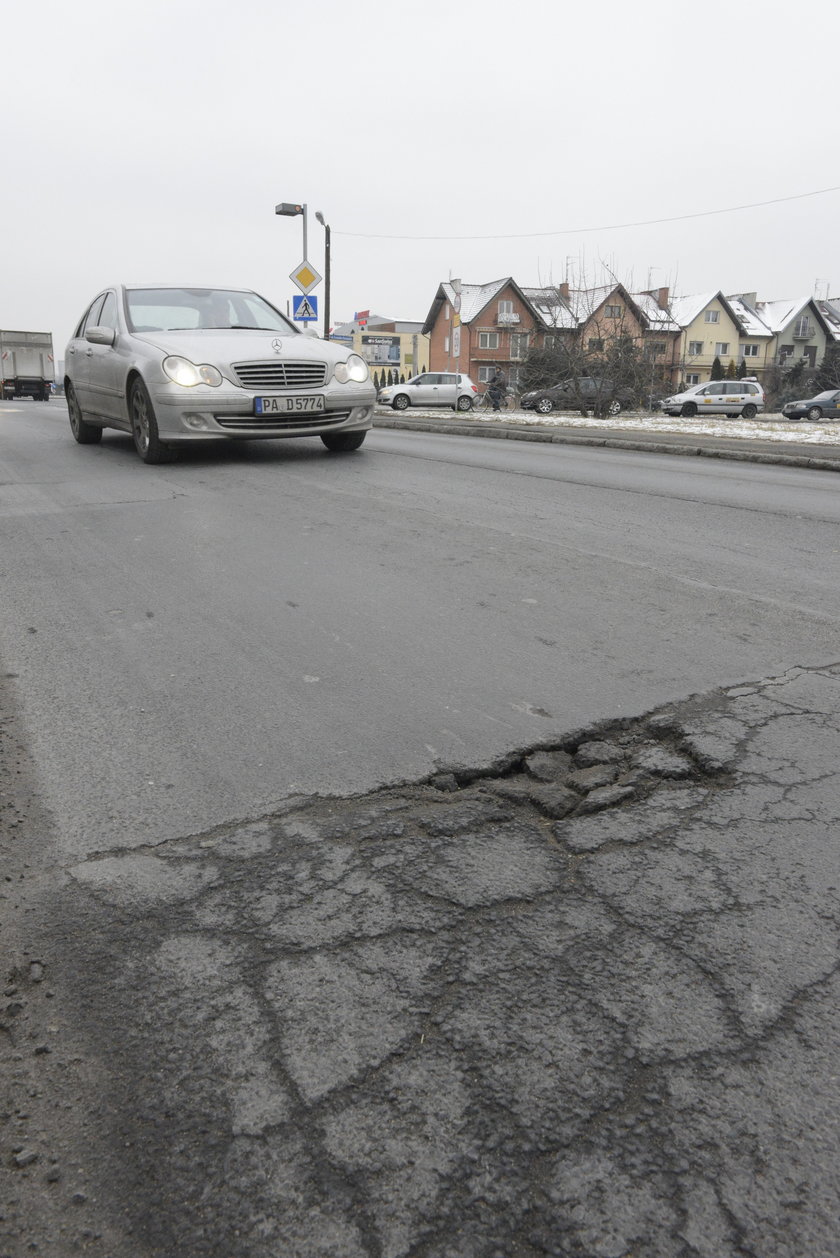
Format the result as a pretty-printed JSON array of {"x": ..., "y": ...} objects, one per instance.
[{"x": 577, "y": 231}]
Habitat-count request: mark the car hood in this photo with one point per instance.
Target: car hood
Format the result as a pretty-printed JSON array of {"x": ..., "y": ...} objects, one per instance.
[{"x": 222, "y": 347}]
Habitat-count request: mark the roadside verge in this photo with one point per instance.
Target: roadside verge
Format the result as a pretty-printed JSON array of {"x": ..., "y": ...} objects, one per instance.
[{"x": 748, "y": 450}]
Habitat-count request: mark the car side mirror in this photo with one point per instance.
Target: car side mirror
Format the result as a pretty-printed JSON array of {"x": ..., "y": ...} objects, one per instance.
[{"x": 100, "y": 336}]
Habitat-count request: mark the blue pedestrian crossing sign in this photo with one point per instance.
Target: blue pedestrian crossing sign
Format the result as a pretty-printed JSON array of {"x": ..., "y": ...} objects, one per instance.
[{"x": 305, "y": 309}]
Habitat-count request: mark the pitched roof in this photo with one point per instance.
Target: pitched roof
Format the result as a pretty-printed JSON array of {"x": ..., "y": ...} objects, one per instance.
[
  {"x": 550, "y": 307},
  {"x": 657, "y": 319},
  {"x": 748, "y": 317},
  {"x": 684, "y": 310},
  {"x": 830, "y": 311},
  {"x": 474, "y": 297}
]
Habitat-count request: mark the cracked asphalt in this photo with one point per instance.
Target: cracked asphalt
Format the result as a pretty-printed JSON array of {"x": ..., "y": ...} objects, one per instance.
[{"x": 579, "y": 1002}]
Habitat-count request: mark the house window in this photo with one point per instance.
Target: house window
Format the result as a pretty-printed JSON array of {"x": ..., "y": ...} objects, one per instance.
[
  {"x": 613, "y": 312},
  {"x": 486, "y": 374},
  {"x": 505, "y": 307},
  {"x": 712, "y": 316},
  {"x": 518, "y": 344},
  {"x": 548, "y": 341},
  {"x": 655, "y": 349},
  {"x": 446, "y": 345},
  {"x": 595, "y": 345},
  {"x": 749, "y": 351},
  {"x": 721, "y": 348},
  {"x": 488, "y": 340},
  {"x": 802, "y": 327},
  {"x": 695, "y": 349},
  {"x": 448, "y": 313},
  {"x": 693, "y": 377}
]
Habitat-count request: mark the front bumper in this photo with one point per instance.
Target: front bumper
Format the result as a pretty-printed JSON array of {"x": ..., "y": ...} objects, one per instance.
[{"x": 203, "y": 413}]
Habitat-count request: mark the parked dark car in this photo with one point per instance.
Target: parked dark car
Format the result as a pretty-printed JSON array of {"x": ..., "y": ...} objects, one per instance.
[
  {"x": 582, "y": 393},
  {"x": 825, "y": 405}
]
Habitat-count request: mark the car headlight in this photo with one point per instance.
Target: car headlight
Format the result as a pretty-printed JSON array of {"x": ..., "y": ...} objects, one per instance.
[
  {"x": 355, "y": 369},
  {"x": 185, "y": 373}
]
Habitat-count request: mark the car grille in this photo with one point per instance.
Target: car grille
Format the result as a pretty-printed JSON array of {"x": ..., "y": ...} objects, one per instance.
[
  {"x": 281, "y": 375},
  {"x": 318, "y": 419}
]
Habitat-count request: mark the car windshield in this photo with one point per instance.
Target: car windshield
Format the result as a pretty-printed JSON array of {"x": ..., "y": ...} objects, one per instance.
[{"x": 183, "y": 309}]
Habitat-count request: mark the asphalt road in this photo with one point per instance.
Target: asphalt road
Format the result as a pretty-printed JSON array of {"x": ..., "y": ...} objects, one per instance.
[
  {"x": 196, "y": 642},
  {"x": 559, "y": 978}
]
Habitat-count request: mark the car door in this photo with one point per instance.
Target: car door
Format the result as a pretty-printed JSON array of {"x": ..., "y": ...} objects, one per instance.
[
  {"x": 104, "y": 364},
  {"x": 712, "y": 397},
  {"x": 423, "y": 389},
  {"x": 80, "y": 352},
  {"x": 832, "y": 410},
  {"x": 447, "y": 389}
]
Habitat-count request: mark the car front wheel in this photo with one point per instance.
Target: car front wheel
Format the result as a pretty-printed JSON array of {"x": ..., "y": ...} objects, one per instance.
[
  {"x": 545, "y": 406},
  {"x": 144, "y": 428},
  {"x": 86, "y": 434},
  {"x": 815, "y": 413},
  {"x": 341, "y": 442},
  {"x": 689, "y": 410},
  {"x": 400, "y": 402},
  {"x": 749, "y": 411}
]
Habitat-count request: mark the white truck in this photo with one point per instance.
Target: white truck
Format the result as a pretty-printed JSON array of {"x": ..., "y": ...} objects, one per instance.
[{"x": 27, "y": 367}]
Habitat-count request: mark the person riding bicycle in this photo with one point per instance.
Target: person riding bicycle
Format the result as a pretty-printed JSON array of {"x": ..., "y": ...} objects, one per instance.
[{"x": 497, "y": 389}]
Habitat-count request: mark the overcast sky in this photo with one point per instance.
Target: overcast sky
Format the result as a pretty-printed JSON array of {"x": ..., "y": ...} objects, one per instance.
[{"x": 151, "y": 141}]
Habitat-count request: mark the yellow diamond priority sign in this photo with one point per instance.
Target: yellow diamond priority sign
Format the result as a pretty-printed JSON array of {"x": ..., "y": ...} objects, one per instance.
[{"x": 305, "y": 277}]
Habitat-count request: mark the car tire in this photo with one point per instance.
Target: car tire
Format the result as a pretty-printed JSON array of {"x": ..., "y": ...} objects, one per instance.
[
  {"x": 464, "y": 403},
  {"x": 401, "y": 402},
  {"x": 689, "y": 410},
  {"x": 144, "y": 426},
  {"x": 544, "y": 406},
  {"x": 614, "y": 407},
  {"x": 815, "y": 413},
  {"x": 86, "y": 434},
  {"x": 343, "y": 442},
  {"x": 749, "y": 411}
]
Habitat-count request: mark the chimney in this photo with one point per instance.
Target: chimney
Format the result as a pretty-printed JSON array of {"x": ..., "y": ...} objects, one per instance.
[
  {"x": 662, "y": 298},
  {"x": 749, "y": 298},
  {"x": 563, "y": 290}
]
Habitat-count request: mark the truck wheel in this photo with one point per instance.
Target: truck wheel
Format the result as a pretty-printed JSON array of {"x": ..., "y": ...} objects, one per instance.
[{"x": 86, "y": 434}]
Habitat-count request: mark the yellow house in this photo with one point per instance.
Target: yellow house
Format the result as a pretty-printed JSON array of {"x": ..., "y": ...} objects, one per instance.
[
  {"x": 709, "y": 330},
  {"x": 387, "y": 345}
]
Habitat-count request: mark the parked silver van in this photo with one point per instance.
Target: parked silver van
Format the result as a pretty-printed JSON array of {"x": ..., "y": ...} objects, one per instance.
[{"x": 718, "y": 397}]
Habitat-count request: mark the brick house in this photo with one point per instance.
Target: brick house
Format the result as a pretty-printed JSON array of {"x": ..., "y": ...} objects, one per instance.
[
  {"x": 495, "y": 328},
  {"x": 500, "y": 322}
]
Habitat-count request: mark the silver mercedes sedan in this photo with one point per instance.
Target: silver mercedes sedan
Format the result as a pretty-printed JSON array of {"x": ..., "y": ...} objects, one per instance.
[{"x": 171, "y": 365}]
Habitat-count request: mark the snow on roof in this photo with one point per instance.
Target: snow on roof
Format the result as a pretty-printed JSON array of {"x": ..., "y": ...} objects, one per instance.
[
  {"x": 684, "y": 310},
  {"x": 750, "y": 320},
  {"x": 830, "y": 311},
  {"x": 658, "y": 320},
  {"x": 551, "y": 307},
  {"x": 778, "y": 314},
  {"x": 474, "y": 297}
]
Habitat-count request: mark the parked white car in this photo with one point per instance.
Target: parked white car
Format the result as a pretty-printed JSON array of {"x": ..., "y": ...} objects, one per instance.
[
  {"x": 431, "y": 388},
  {"x": 718, "y": 397}
]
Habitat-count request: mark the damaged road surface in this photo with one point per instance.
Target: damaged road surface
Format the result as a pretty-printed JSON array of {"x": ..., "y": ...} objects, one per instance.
[{"x": 581, "y": 1002}]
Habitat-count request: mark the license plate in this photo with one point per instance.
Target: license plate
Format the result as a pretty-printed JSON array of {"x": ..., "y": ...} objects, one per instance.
[{"x": 288, "y": 405}]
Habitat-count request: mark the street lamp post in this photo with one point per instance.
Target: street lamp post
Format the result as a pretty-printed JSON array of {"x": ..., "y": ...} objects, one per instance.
[
  {"x": 326, "y": 228},
  {"x": 289, "y": 210}
]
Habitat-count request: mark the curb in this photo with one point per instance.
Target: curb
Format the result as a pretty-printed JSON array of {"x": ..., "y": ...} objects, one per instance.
[{"x": 677, "y": 445}]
